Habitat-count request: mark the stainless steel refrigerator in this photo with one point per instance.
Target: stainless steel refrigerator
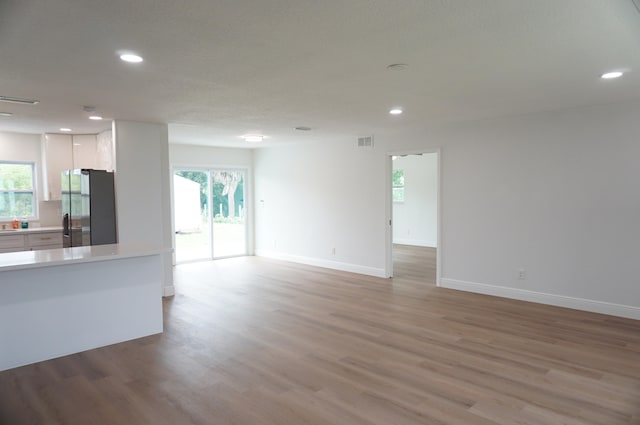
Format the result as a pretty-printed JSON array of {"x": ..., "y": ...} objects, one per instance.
[{"x": 88, "y": 208}]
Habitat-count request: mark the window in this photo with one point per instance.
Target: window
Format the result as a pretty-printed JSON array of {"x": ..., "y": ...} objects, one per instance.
[
  {"x": 17, "y": 196},
  {"x": 398, "y": 186}
]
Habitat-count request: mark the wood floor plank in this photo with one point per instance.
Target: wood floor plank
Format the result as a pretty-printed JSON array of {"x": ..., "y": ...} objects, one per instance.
[{"x": 263, "y": 342}]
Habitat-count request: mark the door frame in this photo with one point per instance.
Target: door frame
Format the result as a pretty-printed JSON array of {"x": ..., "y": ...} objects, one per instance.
[{"x": 388, "y": 269}]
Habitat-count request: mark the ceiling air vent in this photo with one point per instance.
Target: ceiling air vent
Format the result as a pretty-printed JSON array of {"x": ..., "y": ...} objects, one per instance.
[
  {"x": 9, "y": 99},
  {"x": 365, "y": 142}
]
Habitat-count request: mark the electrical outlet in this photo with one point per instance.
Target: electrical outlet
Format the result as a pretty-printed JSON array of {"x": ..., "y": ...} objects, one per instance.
[
  {"x": 333, "y": 251},
  {"x": 275, "y": 243},
  {"x": 522, "y": 274}
]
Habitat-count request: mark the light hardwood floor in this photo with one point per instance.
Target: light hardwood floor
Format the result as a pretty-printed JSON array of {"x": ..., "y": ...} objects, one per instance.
[
  {"x": 414, "y": 263},
  {"x": 257, "y": 341}
]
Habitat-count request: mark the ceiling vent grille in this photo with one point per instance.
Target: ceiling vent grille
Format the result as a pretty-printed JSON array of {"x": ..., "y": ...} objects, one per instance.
[
  {"x": 365, "y": 142},
  {"x": 9, "y": 99}
]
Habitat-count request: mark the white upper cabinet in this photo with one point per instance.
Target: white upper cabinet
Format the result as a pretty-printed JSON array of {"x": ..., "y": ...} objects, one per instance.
[
  {"x": 105, "y": 148},
  {"x": 58, "y": 156},
  {"x": 85, "y": 151},
  {"x": 66, "y": 152}
]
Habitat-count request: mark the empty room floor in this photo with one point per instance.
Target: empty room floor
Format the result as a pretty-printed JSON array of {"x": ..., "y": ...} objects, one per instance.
[{"x": 257, "y": 341}]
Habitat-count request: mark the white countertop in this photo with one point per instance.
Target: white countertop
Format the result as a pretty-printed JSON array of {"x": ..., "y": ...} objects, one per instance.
[
  {"x": 82, "y": 254},
  {"x": 30, "y": 230}
]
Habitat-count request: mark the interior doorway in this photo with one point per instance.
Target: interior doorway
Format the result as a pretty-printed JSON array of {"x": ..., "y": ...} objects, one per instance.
[
  {"x": 413, "y": 237},
  {"x": 210, "y": 215}
]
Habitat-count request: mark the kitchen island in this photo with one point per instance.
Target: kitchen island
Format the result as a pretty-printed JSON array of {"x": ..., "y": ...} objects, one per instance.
[{"x": 62, "y": 301}]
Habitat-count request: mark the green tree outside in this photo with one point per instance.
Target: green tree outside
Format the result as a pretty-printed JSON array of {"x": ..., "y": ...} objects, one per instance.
[
  {"x": 228, "y": 191},
  {"x": 16, "y": 190}
]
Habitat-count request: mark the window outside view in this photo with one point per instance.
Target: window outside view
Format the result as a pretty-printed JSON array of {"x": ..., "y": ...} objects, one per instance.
[
  {"x": 209, "y": 214},
  {"x": 16, "y": 190},
  {"x": 397, "y": 185}
]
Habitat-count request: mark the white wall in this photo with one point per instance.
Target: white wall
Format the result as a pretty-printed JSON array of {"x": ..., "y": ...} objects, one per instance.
[
  {"x": 312, "y": 198},
  {"x": 553, "y": 193},
  {"x": 201, "y": 156},
  {"x": 415, "y": 219},
  {"x": 20, "y": 147},
  {"x": 143, "y": 189}
]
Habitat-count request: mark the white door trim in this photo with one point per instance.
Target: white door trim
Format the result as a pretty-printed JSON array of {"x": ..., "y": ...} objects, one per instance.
[{"x": 389, "y": 210}]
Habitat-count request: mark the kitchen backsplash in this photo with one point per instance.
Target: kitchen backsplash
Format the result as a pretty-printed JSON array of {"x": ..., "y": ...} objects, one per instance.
[{"x": 50, "y": 213}]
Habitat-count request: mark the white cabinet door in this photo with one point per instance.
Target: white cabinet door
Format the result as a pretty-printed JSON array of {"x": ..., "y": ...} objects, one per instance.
[
  {"x": 58, "y": 156},
  {"x": 85, "y": 151},
  {"x": 47, "y": 240},
  {"x": 10, "y": 243},
  {"x": 67, "y": 152},
  {"x": 105, "y": 151}
]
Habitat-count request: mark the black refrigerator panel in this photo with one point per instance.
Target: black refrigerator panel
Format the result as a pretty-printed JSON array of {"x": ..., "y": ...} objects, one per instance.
[
  {"x": 100, "y": 206},
  {"x": 88, "y": 208}
]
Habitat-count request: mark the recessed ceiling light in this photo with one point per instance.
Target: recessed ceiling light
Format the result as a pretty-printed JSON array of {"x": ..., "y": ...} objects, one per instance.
[
  {"x": 395, "y": 111},
  {"x": 612, "y": 74},
  {"x": 5, "y": 114},
  {"x": 95, "y": 117},
  {"x": 131, "y": 58},
  {"x": 65, "y": 129},
  {"x": 253, "y": 138}
]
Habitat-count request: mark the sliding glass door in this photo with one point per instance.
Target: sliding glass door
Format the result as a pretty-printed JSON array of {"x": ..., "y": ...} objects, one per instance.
[
  {"x": 209, "y": 214},
  {"x": 191, "y": 215},
  {"x": 229, "y": 221}
]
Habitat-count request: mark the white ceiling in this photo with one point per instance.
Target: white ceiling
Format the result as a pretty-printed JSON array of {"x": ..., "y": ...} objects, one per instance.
[{"x": 217, "y": 69}]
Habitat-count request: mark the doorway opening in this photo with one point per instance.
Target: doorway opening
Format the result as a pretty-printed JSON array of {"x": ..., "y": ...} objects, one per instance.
[
  {"x": 413, "y": 208},
  {"x": 210, "y": 216}
]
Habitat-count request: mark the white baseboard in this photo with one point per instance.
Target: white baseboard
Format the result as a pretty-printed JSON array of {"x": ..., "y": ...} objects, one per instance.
[
  {"x": 168, "y": 291},
  {"x": 319, "y": 262},
  {"x": 415, "y": 242},
  {"x": 594, "y": 306}
]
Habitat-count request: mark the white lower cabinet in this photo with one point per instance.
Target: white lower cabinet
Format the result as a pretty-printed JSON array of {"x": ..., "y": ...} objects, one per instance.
[
  {"x": 30, "y": 242},
  {"x": 10, "y": 243},
  {"x": 43, "y": 241}
]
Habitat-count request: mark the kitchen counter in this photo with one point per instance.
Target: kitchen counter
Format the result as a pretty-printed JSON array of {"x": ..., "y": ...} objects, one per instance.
[
  {"x": 31, "y": 230},
  {"x": 20, "y": 260},
  {"x": 61, "y": 301}
]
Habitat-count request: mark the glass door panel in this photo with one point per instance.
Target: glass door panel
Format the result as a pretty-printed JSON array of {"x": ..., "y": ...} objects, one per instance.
[
  {"x": 191, "y": 215},
  {"x": 229, "y": 215}
]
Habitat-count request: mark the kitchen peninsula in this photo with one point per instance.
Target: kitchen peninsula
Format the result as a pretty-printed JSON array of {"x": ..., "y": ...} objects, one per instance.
[{"x": 62, "y": 301}]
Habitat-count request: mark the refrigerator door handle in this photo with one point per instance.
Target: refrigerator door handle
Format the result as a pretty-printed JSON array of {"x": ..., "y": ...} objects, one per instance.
[{"x": 65, "y": 226}]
